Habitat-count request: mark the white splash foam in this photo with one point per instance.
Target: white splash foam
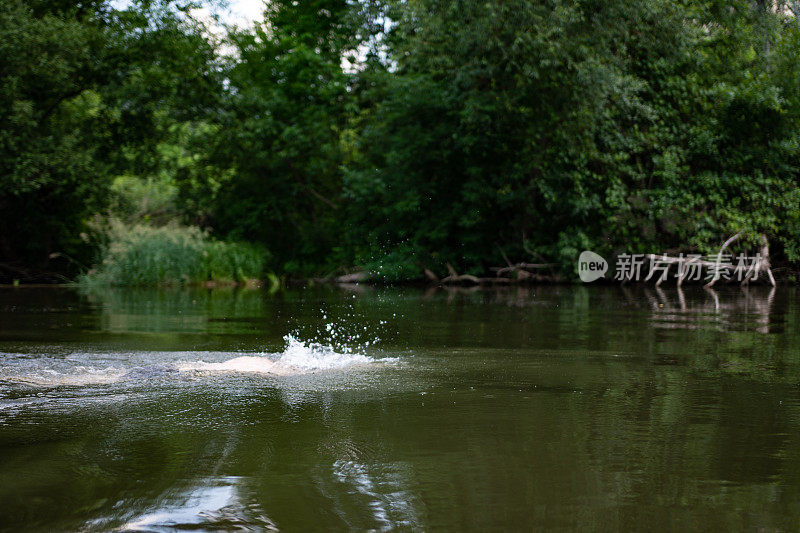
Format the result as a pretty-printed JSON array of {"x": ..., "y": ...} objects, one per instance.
[
  {"x": 246, "y": 363},
  {"x": 314, "y": 356},
  {"x": 297, "y": 358},
  {"x": 60, "y": 375}
]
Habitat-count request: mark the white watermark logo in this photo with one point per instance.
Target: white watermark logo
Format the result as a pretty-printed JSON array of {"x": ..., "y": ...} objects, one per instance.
[
  {"x": 690, "y": 267},
  {"x": 591, "y": 266}
]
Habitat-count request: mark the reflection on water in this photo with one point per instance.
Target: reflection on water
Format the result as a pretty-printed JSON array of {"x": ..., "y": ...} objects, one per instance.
[
  {"x": 216, "y": 505},
  {"x": 380, "y": 487},
  {"x": 743, "y": 310},
  {"x": 518, "y": 408}
]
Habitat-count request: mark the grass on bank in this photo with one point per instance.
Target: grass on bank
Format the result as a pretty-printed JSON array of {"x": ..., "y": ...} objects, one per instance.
[{"x": 141, "y": 254}]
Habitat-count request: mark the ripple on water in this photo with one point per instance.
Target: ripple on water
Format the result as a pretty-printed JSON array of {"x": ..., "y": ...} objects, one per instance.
[{"x": 24, "y": 378}]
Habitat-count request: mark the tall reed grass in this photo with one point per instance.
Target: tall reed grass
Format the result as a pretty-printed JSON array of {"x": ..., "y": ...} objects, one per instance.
[{"x": 140, "y": 254}]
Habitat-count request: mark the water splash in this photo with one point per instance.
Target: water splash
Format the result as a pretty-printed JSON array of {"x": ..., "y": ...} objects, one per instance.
[
  {"x": 298, "y": 357},
  {"x": 44, "y": 375},
  {"x": 316, "y": 356},
  {"x": 88, "y": 369}
]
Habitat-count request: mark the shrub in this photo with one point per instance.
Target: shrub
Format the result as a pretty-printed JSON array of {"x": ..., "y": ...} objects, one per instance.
[{"x": 141, "y": 254}]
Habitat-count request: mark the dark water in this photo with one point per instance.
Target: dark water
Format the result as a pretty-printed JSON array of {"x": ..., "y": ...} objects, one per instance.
[{"x": 598, "y": 408}]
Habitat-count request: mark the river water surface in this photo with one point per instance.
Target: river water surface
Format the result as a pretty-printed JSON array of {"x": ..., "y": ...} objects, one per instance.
[{"x": 601, "y": 408}]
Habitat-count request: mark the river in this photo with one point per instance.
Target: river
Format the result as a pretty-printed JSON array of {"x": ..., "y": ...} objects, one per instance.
[{"x": 361, "y": 408}]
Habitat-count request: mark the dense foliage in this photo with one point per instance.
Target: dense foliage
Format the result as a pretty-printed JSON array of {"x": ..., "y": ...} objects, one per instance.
[
  {"x": 86, "y": 93},
  {"x": 139, "y": 254},
  {"x": 547, "y": 128},
  {"x": 402, "y": 135}
]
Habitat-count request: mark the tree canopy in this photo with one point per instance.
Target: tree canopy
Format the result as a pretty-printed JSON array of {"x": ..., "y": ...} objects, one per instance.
[{"x": 397, "y": 136}]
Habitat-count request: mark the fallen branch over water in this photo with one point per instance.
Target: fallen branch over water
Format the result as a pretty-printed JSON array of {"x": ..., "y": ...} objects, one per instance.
[{"x": 521, "y": 272}]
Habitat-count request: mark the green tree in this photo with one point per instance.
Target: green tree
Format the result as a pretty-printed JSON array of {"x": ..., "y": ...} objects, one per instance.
[
  {"x": 278, "y": 136},
  {"x": 515, "y": 129},
  {"x": 84, "y": 90}
]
